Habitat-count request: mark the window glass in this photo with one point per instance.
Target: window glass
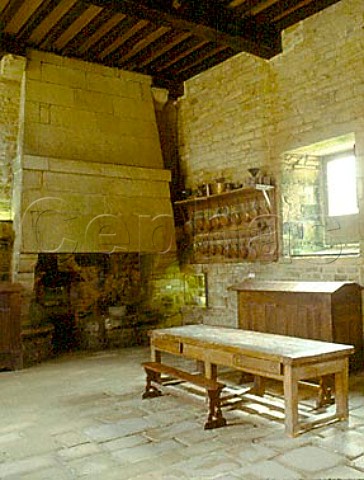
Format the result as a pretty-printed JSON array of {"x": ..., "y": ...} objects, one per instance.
[{"x": 341, "y": 186}]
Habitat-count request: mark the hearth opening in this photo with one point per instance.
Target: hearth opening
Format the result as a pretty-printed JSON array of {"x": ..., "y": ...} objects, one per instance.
[{"x": 88, "y": 296}]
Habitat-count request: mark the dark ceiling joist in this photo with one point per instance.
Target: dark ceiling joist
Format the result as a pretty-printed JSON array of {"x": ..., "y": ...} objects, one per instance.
[
  {"x": 304, "y": 10},
  {"x": 8, "y": 45},
  {"x": 223, "y": 29}
]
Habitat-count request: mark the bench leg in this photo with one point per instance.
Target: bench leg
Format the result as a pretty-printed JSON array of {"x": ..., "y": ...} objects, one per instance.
[
  {"x": 290, "y": 401},
  {"x": 150, "y": 390},
  {"x": 258, "y": 387},
  {"x": 215, "y": 418},
  {"x": 324, "y": 394}
]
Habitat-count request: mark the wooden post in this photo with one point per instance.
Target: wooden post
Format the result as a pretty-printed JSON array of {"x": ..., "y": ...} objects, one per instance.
[
  {"x": 290, "y": 385},
  {"x": 342, "y": 390}
]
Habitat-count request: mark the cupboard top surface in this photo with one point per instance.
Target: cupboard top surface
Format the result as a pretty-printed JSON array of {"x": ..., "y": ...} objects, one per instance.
[{"x": 284, "y": 286}]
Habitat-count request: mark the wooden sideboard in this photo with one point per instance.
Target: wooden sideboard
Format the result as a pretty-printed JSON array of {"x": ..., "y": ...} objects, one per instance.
[
  {"x": 328, "y": 311},
  {"x": 11, "y": 355}
]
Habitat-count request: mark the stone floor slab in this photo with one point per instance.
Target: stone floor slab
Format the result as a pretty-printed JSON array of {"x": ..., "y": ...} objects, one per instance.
[
  {"x": 309, "y": 458},
  {"x": 268, "y": 470}
]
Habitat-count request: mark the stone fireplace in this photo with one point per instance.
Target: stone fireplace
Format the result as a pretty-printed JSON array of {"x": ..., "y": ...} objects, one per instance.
[{"x": 91, "y": 199}]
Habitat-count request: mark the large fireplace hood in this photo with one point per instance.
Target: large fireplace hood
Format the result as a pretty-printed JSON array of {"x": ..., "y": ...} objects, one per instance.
[
  {"x": 89, "y": 174},
  {"x": 74, "y": 206}
]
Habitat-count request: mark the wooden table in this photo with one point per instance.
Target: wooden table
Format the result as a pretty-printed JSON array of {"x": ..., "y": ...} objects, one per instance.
[{"x": 279, "y": 357}]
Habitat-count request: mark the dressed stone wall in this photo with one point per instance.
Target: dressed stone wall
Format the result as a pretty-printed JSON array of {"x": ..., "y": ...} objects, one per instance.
[
  {"x": 247, "y": 112},
  {"x": 11, "y": 73}
]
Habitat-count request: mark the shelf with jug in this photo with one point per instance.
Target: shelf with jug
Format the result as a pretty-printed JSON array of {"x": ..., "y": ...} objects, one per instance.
[{"x": 234, "y": 225}]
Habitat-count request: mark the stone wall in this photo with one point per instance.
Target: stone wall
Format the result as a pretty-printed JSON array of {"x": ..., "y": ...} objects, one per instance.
[
  {"x": 83, "y": 111},
  {"x": 247, "y": 112},
  {"x": 11, "y": 73}
]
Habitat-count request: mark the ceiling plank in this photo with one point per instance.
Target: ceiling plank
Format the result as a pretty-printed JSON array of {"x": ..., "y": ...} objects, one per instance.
[
  {"x": 236, "y": 3},
  {"x": 3, "y": 5},
  {"x": 103, "y": 30},
  {"x": 144, "y": 43},
  {"x": 77, "y": 26},
  {"x": 201, "y": 58},
  {"x": 122, "y": 39},
  {"x": 232, "y": 32},
  {"x": 167, "y": 46},
  {"x": 288, "y": 11},
  {"x": 50, "y": 20},
  {"x": 303, "y": 12},
  {"x": 22, "y": 16},
  {"x": 182, "y": 55},
  {"x": 262, "y": 6}
]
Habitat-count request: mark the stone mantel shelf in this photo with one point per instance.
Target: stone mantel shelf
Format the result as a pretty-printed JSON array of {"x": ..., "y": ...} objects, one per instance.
[{"x": 81, "y": 167}]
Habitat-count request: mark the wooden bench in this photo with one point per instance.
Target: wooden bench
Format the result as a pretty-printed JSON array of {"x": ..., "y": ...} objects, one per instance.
[{"x": 154, "y": 370}]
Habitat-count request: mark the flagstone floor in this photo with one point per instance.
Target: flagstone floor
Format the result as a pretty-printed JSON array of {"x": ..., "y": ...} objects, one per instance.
[{"x": 81, "y": 416}]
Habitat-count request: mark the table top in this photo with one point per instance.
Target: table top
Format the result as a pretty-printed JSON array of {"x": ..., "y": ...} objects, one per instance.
[{"x": 277, "y": 347}]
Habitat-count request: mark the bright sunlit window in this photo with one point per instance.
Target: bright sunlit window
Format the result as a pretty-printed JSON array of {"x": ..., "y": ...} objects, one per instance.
[{"x": 341, "y": 186}]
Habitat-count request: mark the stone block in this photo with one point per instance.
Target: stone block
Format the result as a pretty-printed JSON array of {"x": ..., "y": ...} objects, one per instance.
[
  {"x": 41, "y": 92},
  {"x": 134, "y": 76},
  {"x": 133, "y": 108},
  {"x": 106, "y": 84},
  {"x": 34, "y": 70},
  {"x": 12, "y": 67},
  {"x": 32, "y": 179},
  {"x": 63, "y": 75},
  {"x": 34, "y": 162},
  {"x": 72, "y": 118},
  {"x": 32, "y": 112},
  {"x": 27, "y": 263},
  {"x": 44, "y": 113},
  {"x": 76, "y": 166},
  {"x": 93, "y": 101},
  {"x": 44, "y": 57}
]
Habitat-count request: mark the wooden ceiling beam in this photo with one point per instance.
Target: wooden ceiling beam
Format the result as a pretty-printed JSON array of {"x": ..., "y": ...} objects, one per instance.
[
  {"x": 224, "y": 28},
  {"x": 22, "y": 16},
  {"x": 304, "y": 10},
  {"x": 86, "y": 17},
  {"x": 3, "y": 5},
  {"x": 181, "y": 56},
  {"x": 161, "y": 51},
  {"x": 143, "y": 43},
  {"x": 120, "y": 40},
  {"x": 50, "y": 20},
  {"x": 103, "y": 30}
]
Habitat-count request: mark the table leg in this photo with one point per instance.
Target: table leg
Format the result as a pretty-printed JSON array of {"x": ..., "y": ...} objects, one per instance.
[
  {"x": 342, "y": 390},
  {"x": 156, "y": 355},
  {"x": 290, "y": 384},
  {"x": 210, "y": 370}
]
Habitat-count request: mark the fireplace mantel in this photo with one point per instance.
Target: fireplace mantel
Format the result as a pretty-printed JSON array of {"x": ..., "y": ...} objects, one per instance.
[{"x": 77, "y": 206}]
